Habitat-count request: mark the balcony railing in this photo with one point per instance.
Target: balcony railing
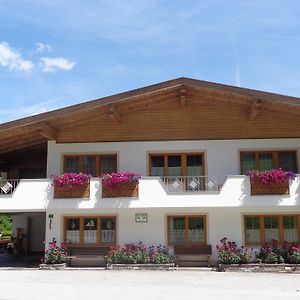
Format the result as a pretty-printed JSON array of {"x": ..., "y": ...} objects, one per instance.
[
  {"x": 177, "y": 184},
  {"x": 10, "y": 188}
]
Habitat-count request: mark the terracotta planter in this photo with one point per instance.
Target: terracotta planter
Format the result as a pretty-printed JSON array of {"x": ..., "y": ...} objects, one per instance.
[
  {"x": 81, "y": 191},
  {"x": 121, "y": 190},
  {"x": 258, "y": 188}
]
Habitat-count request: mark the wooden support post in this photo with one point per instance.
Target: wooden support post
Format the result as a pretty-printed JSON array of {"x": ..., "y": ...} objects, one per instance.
[
  {"x": 182, "y": 98},
  {"x": 114, "y": 113},
  {"x": 47, "y": 132},
  {"x": 254, "y": 109}
]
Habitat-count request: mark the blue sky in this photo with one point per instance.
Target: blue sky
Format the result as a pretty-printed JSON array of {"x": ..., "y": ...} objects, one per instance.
[{"x": 55, "y": 53}]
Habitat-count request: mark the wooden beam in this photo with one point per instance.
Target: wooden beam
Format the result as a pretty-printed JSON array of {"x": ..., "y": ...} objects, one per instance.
[
  {"x": 182, "y": 98},
  {"x": 48, "y": 132},
  {"x": 114, "y": 113},
  {"x": 254, "y": 109}
]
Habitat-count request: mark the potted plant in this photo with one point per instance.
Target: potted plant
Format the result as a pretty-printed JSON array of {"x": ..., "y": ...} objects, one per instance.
[
  {"x": 123, "y": 184},
  {"x": 273, "y": 182},
  {"x": 71, "y": 185},
  {"x": 55, "y": 256}
]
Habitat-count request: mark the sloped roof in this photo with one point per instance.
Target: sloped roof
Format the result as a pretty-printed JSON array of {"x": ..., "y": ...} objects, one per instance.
[{"x": 34, "y": 131}]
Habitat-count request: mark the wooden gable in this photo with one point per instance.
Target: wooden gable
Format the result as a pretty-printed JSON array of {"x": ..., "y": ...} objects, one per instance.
[{"x": 180, "y": 109}]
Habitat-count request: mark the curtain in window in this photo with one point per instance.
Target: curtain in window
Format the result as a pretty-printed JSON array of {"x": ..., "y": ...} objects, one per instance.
[
  {"x": 194, "y": 165},
  {"x": 290, "y": 233},
  {"x": 252, "y": 230},
  {"x": 90, "y": 231},
  {"x": 89, "y": 165},
  {"x": 196, "y": 230},
  {"x": 108, "y": 230},
  {"x": 247, "y": 162},
  {"x": 265, "y": 161},
  {"x": 287, "y": 161},
  {"x": 108, "y": 164},
  {"x": 177, "y": 230},
  {"x": 174, "y": 165},
  {"x": 271, "y": 228},
  {"x": 72, "y": 165},
  {"x": 157, "y": 166}
]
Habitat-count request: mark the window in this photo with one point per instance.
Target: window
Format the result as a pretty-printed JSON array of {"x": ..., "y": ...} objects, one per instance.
[
  {"x": 176, "y": 164},
  {"x": 91, "y": 164},
  {"x": 267, "y": 160},
  {"x": 90, "y": 230},
  {"x": 186, "y": 229},
  {"x": 261, "y": 229}
]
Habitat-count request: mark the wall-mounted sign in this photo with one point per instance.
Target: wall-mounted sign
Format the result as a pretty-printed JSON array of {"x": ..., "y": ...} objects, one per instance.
[{"x": 141, "y": 218}]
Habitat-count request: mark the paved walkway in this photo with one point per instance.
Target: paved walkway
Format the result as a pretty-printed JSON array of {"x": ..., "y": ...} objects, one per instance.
[{"x": 100, "y": 284}]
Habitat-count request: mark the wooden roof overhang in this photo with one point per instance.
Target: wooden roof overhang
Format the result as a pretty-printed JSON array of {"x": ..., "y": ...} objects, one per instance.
[{"x": 33, "y": 132}]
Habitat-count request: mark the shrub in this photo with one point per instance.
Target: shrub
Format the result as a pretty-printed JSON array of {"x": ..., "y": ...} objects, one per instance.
[
  {"x": 293, "y": 256},
  {"x": 272, "y": 253},
  {"x": 55, "y": 254},
  {"x": 229, "y": 253},
  {"x": 139, "y": 254}
]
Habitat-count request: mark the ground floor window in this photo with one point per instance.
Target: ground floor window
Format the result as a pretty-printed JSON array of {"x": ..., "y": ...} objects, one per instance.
[
  {"x": 265, "y": 228},
  {"x": 186, "y": 229},
  {"x": 90, "y": 230}
]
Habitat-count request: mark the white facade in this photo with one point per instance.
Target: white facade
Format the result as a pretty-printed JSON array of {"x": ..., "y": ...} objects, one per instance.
[{"x": 223, "y": 210}]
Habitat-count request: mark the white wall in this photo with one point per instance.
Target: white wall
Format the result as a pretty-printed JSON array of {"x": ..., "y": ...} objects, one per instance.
[
  {"x": 221, "y": 222},
  {"x": 222, "y": 156}
]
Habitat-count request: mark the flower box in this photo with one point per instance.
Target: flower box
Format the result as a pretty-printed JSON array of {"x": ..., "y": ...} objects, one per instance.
[
  {"x": 121, "y": 190},
  {"x": 259, "y": 188},
  {"x": 80, "y": 191}
]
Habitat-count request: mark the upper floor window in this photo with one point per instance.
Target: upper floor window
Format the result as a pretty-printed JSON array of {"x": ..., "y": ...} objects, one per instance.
[
  {"x": 91, "y": 164},
  {"x": 187, "y": 164},
  {"x": 268, "y": 160}
]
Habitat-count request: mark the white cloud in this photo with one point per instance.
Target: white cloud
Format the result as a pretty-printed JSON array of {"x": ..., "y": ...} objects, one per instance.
[
  {"x": 53, "y": 64},
  {"x": 41, "y": 48},
  {"x": 12, "y": 59}
]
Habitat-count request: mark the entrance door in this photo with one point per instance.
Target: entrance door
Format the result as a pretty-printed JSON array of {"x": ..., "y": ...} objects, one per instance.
[{"x": 36, "y": 233}]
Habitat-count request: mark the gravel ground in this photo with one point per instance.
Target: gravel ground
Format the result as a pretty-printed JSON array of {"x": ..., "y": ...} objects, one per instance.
[{"x": 100, "y": 284}]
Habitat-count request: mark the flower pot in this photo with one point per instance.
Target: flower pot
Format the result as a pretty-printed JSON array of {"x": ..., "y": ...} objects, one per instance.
[
  {"x": 121, "y": 190},
  {"x": 259, "y": 188},
  {"x": 80, "y": 191}
]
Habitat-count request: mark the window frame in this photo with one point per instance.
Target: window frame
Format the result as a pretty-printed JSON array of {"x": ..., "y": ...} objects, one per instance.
[
  {"x": 186, "y": 229},
  {"x": 274, "y": 157},
  {"x": 183, "y": 161},
  {"x": 97, "y": 161},
  {"x": 81, "y": 230},
  {"x": 262, "y": 227}
]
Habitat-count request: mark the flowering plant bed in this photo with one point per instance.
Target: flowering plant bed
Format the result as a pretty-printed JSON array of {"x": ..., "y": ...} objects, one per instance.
[
  {"x": 55, "y": 257},
  {"x": 71, "y": 185},
  {"x": 124, "y": 184},
  {"x": 137, "y": 255},
  {"x": 229, "y": 253},
  {"x": 274, "y": 182},
  {"x": 271, "y": 257}
]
